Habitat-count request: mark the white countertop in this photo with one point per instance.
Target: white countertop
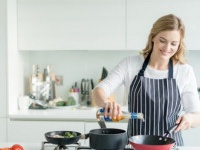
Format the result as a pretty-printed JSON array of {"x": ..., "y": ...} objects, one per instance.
[
  {"x": 61, "y": 113},
  {"x": 58, "y": 113}
]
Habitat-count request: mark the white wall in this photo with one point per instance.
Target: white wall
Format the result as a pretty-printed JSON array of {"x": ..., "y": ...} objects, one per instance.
[
  {"x": 193, "y": 59},
  {"x": 75, "y": 65},
  {"x": 3, "y": 71}
]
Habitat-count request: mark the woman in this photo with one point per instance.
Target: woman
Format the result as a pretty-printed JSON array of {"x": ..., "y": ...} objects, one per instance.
[{"x": 159, "y": 83}]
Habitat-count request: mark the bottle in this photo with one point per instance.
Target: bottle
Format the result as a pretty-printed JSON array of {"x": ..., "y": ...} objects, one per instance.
[{"x": 123, "y": 116}]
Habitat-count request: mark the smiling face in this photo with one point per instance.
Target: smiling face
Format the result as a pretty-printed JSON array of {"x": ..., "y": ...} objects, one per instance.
[{"x": 166, "y": 44}]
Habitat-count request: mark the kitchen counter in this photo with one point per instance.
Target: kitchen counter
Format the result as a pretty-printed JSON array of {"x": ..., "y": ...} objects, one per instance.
[
  {"x": 71, "y": 113},
  {"x": 37, "y": 146},
  {"x": 58, "y": 114}
]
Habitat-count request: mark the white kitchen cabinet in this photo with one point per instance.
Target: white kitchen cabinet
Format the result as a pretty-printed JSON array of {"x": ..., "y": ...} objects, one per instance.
[
  {"x": 3, "y": 59},
  {"x": 142, "y": 14},
  {"x": 71, "y": 24},
  {"x": 33, "y": 131},
  {"x": 98, "y": 24},
  {"x": 3, "y": 130},
  {"x": 3, "y": 73},
  {"x": 191, "y": 137}
]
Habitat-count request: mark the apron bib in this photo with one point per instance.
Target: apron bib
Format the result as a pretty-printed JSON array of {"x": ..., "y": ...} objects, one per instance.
[{"x": 159, "y": 100}]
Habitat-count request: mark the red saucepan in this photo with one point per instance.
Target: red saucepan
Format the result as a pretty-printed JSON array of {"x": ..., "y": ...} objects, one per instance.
[
  {"x": 107, "y": 138},
  {"x": 153, "y": 142}
]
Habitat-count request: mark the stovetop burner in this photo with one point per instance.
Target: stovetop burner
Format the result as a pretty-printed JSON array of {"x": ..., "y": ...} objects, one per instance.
[{"x": 49, "y": 146}]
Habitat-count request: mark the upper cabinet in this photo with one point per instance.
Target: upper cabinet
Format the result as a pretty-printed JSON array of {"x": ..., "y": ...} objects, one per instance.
[
  {"x": 71, "y": 24},
  {"x": 142, "y": 14},
  {"x": 99, "y": 24}
]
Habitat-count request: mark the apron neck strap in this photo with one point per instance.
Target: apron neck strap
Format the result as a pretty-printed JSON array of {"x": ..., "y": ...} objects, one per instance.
[{"x": 144, "y": 66}]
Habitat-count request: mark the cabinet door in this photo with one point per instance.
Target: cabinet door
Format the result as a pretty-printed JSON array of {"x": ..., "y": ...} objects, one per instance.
[
  {"x": 191, "y": 137},
  {"x": 3, "y": 59},
  {"x": 71, "y": 24},
  {"x": 3, "y": 129},
  {"x": 142, "y": 14},
  {"x": 33, "y": 131}
]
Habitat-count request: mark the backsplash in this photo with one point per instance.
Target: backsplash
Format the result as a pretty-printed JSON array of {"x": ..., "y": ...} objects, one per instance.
[
  {"x": 76, "y": 65},
  {"x": 194, "y": 61}
]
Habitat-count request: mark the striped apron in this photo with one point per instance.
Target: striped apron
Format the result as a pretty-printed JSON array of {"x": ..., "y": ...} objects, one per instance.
[{"x": 159, "y": 100}]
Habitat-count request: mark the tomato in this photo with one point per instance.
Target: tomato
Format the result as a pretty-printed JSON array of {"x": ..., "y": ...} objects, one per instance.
[{"x": 17, "y": 147}]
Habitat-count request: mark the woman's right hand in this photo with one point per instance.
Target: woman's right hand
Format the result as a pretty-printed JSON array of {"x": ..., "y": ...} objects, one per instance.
[{"x": 112, "y": 109}]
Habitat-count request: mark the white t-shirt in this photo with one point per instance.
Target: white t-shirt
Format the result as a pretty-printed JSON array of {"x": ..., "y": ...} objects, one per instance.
[{"x": 125, "y": 71}]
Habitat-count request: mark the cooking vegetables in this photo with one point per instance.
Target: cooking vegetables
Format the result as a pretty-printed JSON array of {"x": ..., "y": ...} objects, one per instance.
[
  {"x": 14, "y": 147},
  {"x": 64, "y": 139},
  {"x": 70, "y": 134},
  {"x": 67, "y": 134}
]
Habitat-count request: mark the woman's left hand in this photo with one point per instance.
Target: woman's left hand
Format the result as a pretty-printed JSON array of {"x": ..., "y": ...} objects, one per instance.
[{"x": 184, "y": 121}]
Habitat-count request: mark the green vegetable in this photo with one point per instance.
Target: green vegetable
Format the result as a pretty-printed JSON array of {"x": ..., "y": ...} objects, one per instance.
[
  {"x": 60, "y": 103},
  {"x": 70, "y": 134},
  {"x": 71, "y": 101}
]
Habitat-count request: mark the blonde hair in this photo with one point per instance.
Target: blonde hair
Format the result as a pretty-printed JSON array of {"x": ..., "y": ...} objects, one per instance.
[{"x": 168, "y": 22}]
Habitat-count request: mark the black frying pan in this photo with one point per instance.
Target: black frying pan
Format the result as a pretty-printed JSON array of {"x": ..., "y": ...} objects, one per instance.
[
  {"x": 108, "y": 138},
  {"x": 50, "y": 137}
]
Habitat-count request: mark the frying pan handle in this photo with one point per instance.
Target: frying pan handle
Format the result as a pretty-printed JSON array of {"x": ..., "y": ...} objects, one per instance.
[
  {"x": 170, "y": 130},
  {"x": 84, "y": 136}
]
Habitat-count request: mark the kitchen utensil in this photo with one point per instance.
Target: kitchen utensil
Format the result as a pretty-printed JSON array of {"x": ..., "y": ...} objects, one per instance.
[
  {"x": 108, "y": 138},
  {"x": 101, "y": 122},
  {"x": 51, "y": 138},
  {"x": 153, "y": 142},
  {"x": 104, "y": 74},
  {"x": 92, "y": 84},
  {"x": 86, "y": 87}
]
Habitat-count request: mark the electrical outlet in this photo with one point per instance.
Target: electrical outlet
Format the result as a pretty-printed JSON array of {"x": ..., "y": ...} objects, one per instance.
[{"x": 59, "y": 80}]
